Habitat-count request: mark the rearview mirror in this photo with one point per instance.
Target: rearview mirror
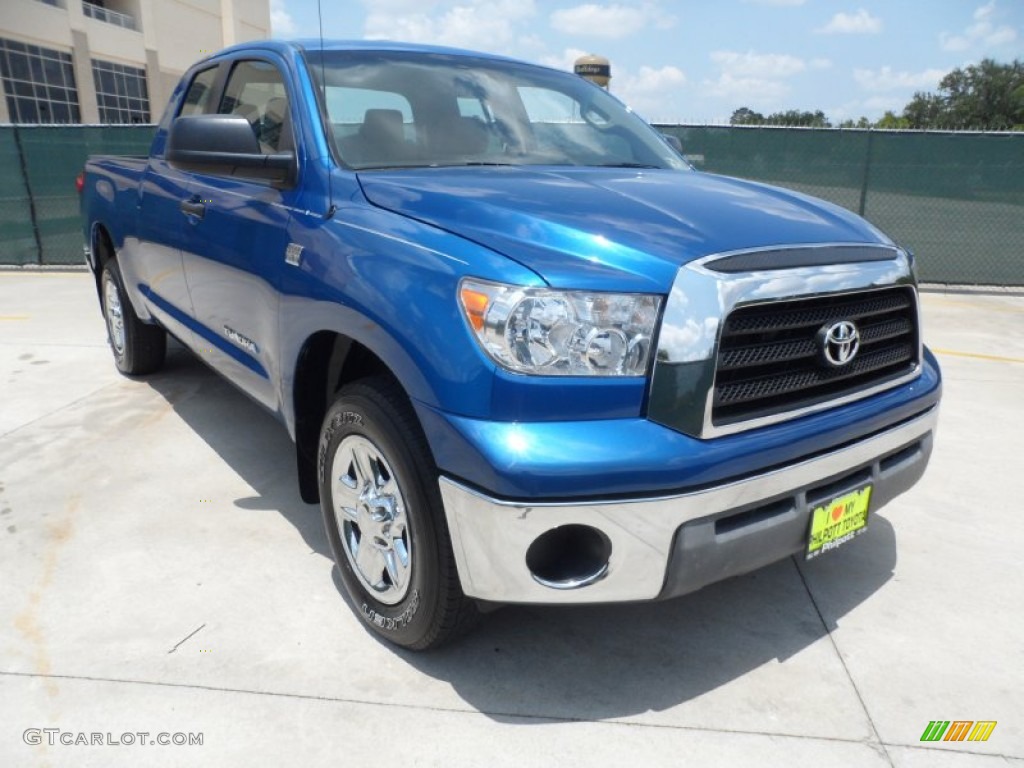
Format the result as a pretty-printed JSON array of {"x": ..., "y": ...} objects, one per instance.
[{"x": 225, "y": 144}]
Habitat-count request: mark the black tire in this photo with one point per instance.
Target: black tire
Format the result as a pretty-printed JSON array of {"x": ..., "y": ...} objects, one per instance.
[
  {"x": 374, "y": 413},
  {"x": 142, "y": 347}
]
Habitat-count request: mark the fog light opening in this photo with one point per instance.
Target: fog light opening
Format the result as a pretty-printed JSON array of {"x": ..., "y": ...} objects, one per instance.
[{"x": 569, "y": 557}]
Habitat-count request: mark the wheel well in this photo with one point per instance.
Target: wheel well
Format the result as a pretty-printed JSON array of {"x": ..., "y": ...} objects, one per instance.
[
  {"x": 328, "y": 361},
  {"x": 103, "y": 251}
]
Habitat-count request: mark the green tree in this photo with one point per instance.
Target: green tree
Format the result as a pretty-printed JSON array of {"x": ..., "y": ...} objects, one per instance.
[
  {"x": 985, "y": 96},
  {"x": 816, "y": 119},
  {"x": 891, "y": 120},
  {"x": 925, "y": 110},
  {"x": 746, "y": 116}
]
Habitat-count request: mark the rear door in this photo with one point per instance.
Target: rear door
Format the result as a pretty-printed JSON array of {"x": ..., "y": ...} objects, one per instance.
[
  {"x": 158, "y": 272},
  {"x": 237, "y": 236}
]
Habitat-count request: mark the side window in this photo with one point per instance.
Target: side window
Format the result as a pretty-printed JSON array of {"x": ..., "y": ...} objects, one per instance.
[
  {"x": 197, "y": 99},
  {"x": 470, "y": 106},
  {"x": 256, "y": 91}
]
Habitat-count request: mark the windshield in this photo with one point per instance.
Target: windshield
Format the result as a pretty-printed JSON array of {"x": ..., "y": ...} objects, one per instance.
[{"x": 389, "y": 109}]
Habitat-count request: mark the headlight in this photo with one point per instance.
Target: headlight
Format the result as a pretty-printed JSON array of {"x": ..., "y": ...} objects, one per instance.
[{"x": 561, "y": 333}]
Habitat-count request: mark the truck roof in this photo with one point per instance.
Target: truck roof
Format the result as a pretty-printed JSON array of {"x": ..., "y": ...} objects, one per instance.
[{"x": 315, "y": 44}]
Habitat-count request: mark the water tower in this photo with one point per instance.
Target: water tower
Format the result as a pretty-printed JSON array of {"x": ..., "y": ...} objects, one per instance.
[{"x": 596, "y": 69}]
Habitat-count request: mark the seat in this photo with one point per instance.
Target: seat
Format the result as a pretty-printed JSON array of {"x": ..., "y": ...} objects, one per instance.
[
  {"x": 463, "y": 138},
  {"x": 380, "y": 139}
]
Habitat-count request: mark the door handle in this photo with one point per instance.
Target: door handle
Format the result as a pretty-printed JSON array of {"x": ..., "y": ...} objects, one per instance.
[{"x": 192, "y": 207}]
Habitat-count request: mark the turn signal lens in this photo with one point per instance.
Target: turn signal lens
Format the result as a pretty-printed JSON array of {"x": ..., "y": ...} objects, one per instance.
[{"x": 475, "y": 303}]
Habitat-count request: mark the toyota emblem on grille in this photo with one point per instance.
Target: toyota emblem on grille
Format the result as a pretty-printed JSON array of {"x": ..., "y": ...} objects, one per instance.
[{"x": 839, "y": 343}]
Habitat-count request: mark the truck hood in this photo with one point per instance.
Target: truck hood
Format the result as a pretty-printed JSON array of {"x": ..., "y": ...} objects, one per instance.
[{"x": 592, "y": 228}]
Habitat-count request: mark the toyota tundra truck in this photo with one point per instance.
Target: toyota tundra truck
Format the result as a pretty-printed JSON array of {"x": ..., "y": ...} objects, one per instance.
[{"x": 527, "y": 353}]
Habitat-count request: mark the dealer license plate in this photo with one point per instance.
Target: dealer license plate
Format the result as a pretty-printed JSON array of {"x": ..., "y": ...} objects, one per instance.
[{"x": 838, "y": 522}]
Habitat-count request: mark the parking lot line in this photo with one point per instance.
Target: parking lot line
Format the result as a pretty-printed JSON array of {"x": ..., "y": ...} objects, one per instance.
[
  {"x": 978, "y": 356},
  {"x": 986, "y": 307}
]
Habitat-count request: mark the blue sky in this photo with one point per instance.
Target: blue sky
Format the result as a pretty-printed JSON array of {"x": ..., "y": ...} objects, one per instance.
[{"x": 699, "y": 60}]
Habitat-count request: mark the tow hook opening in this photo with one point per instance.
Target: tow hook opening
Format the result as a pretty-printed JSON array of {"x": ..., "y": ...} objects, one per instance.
[{"x": 569, "y": 557}]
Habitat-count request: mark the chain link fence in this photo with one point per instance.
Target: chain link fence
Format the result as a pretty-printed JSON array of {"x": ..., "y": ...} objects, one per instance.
[
  {"x": 39, "y": 215},
  {"x": 955, "y": 199}
]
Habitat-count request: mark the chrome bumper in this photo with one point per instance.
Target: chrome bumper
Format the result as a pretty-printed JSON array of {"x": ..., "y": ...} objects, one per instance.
[{"x": 491, "y": 537}]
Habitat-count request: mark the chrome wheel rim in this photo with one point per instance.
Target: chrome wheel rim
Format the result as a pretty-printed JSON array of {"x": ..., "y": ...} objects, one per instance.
[
  {"x": 371, "y": 516},
  {"x": 115, "y": 319}
]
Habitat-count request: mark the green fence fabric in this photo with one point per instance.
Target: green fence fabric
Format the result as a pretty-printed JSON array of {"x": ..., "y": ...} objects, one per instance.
[
  {"x": 53, "y": 157},
  {"x": 18, "y": 244},
  {"x": 955, "y": 199}
]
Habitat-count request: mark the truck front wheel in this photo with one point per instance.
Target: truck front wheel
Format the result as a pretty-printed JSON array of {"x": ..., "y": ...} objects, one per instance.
[
  {"x": 138, "y": 348},
  {"x": 384, "y": 518}
]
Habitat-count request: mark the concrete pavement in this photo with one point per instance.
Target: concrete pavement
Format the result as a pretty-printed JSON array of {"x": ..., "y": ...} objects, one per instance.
[{"x": 160, "y": 574}]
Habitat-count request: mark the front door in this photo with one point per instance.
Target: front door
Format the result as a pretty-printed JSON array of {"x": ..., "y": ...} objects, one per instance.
[{"x": 237, "y": 238}]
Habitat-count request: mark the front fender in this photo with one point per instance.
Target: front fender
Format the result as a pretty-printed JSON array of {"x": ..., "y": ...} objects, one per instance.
[{"x": 390, "y": 284}]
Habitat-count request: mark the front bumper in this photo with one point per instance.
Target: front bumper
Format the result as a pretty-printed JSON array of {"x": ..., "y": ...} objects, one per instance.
[{"x": 666, "y": 546}]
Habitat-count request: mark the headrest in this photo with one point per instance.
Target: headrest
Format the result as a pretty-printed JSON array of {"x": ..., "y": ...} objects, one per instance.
[{"x": 382, "y": 121}]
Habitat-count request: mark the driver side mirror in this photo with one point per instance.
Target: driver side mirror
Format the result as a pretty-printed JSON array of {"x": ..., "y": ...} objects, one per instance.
[{"x": 225, "y": 144}]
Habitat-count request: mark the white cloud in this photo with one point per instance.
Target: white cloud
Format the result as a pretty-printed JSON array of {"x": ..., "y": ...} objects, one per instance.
[
  {"x": 651, "y": 80},
  {"x": 983, "y": 32},
  {"x": 609, "y": 21},
  {"x": 756, "y": 79},
  {"x": 885, "y": 79},
  {"x": 471, "y": 23},
  {"x": 760, "y": 65},
  {"x": 884, "y": 104},
  {"x": 650, "y": 90},
  {"x": 281, "y": 22},
  {"x": 563, "y": 60},
  {"x": 821, "y": 63},
  {"x": 859, "y": 23},
  {"x": 748, "y": 91}
]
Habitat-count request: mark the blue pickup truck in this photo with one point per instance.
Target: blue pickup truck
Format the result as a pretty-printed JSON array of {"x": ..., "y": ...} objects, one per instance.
[{"x": 527, "y": 354}]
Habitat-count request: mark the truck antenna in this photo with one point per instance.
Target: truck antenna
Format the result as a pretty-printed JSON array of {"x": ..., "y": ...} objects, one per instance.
[{"x": 331, "y": 207}]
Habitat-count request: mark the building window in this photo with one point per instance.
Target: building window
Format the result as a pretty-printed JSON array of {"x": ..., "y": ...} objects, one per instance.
[
  {"x": 39, "y": 84},
  {"x": 121, "y": 93}
]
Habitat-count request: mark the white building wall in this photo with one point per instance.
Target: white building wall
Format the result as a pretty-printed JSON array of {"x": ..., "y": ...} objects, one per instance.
[{"x": 171, "y": 35}]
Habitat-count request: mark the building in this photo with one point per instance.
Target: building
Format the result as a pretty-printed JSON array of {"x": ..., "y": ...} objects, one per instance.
[{"x": 110, "y": 61}]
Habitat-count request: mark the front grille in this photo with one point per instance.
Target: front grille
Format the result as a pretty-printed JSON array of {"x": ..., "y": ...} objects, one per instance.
[{"x": 770, "y": 360}]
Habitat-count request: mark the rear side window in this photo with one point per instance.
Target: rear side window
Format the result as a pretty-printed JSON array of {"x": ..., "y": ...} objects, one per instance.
[
  {"x": 200, "y": 92},
  {"x": 256, "y": 91}
]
